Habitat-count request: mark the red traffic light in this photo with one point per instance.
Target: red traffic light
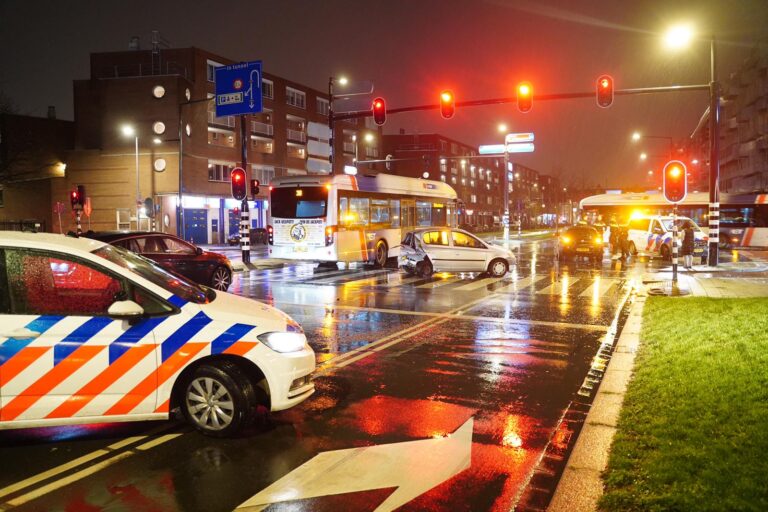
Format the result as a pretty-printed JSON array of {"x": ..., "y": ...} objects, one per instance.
[
  {"x": 675, "y": 181},
  {"x": 524, "y": 96},
  {"x": 379, "y": 108},
  {"x": 77, "y": 197},
  {"x": 447, "y": 104},
  {"x": 237, "y": 179},
  {"x": 604, "y": 91},
  {"x": 255, "y": 188}
]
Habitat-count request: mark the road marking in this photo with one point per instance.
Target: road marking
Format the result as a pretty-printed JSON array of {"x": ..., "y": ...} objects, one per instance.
[
  {"x": 599, "y": 287},
  {"x": 437, "y": 284},
  {"x": 560, "y": 287},
  {"x": 401, "y": 282},
  {"x": 434, "y": 460},
  {"x": 478, "y": 284},
  {"x": 520, "y": 284},
  {"x": 80, "y": 461},
  {"x": 361, "y": 276}
]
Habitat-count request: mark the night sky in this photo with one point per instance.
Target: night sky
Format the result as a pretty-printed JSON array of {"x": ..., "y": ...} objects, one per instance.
[{"x": 413, "y": 49}]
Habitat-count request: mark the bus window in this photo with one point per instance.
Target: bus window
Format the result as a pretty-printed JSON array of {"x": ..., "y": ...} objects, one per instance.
[
  {"x": 298, "y": 203},
  {"x": 439, "y": 215},
  {"x": 423, "y": 213},
  {"x": 358, "y": 210},
  {"x": 379, "y": 211},
  {"x": 343, "y": 213},
  {"x": 407, "y": 213},
  {"x": 394, "y": 207}
]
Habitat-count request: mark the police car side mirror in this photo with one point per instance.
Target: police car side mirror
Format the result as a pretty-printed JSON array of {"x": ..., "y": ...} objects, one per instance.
[
  {"x": 125, "y": 310},
  {"x": 657, "y": 231}
]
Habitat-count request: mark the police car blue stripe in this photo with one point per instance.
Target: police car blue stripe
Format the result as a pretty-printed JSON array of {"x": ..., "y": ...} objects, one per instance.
[
  {"x": 177, "y": 301},
  {"x": 11, "y": 347},
  {"x": 229, "y": 337},
  {"x": 82, "y": 334},
  {"x": 183, "y": 334},
  {"x": 130, "y": 337}
]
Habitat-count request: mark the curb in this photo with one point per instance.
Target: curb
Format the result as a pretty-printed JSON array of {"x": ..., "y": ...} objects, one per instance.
[
  {"x": 247, "y": 267},
  {"x": 581, "y": 484}
]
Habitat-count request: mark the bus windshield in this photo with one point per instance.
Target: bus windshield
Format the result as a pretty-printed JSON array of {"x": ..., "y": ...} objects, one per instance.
[{"x": 299, "y": 202}]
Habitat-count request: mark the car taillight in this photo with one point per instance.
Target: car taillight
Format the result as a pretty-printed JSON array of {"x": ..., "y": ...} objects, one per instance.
[
  {"x": 270, "y": 235},
  {"x": 329, "y": 231}
]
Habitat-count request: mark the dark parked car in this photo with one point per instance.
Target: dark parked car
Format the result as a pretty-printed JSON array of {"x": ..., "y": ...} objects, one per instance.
[
  {"x": 582, "y": 241},
  {"x": 258, "y": 236},
  {"x": 173, "y": 253}
]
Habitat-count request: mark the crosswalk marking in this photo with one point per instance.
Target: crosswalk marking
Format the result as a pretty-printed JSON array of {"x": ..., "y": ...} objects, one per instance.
[
  {"x": 520, "y": 284},
  {"x": 559, "y": 287},
  {"x": 599, "y": 287},
  {"x": 474, "y": 285},
  {"x": 442, "y": 282},
  {"x": 401, "y": 281},
  {"x": 364, "y": 276}
]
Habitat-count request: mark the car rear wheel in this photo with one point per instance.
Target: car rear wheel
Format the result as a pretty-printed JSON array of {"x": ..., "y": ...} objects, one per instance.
[
  {"x": 381, "y": 254},
  {"x": 497, "y": 268},
  {"x": 221, "y": 279},
  {"x": 426, "y": 269},
  {"x": 219, "y": 399}
]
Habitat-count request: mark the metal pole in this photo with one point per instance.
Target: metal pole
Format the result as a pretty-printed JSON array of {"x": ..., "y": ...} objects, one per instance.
[
  {"x": 180, "y": 213},
  {"x": 138, "y": 192},
  {"x": 674, "y": 244},
  {"x": 714, "y": 159},
  {"x": 505, "y": 220},
  {"x": 330, "y": 121},
  {"x": 245, "y": 227}
]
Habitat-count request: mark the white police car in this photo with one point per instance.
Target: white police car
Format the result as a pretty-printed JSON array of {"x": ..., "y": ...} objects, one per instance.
[
  {"x": 652, "y": 235},
  {"x": 90, "y": 332}
]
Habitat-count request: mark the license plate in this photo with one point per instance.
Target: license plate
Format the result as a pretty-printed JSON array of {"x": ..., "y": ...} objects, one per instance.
[
  {"x": 698, "y": 251},
  {"x": 299, "y": 249},
  {"x": 582, "y": 249}
]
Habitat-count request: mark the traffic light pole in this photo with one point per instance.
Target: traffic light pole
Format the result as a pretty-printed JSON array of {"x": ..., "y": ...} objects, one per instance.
[
  {"x": 505, "y": 220},
  {"x": 78, "y": 224},
  {"x": 714, "y": 161},
  {"x": 245, "y": 224},
  {"x": 674, "y": 245}
]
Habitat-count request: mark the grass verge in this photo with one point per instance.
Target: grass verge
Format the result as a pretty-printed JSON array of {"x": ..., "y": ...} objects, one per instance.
[{"x": 693, "y": 430}]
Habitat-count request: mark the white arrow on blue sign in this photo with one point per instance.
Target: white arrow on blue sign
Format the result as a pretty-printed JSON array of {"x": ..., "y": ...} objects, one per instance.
[{"x": 238, "y": 89}]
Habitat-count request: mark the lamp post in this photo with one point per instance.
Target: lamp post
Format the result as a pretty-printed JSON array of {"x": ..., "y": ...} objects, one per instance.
[
  {"x": 505, "y": 220},
  {"x": 678, "y": 37},
  {"x": 331, "y": 82},
  {"x": 129, "y": 131}
]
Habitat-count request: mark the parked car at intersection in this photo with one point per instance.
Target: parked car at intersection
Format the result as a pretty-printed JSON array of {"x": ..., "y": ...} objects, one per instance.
[{"x": 585, "y": 241}]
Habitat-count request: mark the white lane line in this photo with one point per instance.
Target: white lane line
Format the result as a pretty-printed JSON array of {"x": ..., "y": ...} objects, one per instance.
[
  {"x": 599, "y": 287},
  {"x": 560, "y": 287},
  {"x": 364, "y": 276},
  {"x": 478, "y": 284},
  {"x": 18, "y": 486},
  {"x": 438, "y": 284},
  {"x": 401, "y": 282},
  {"x": 520, "y": 284}
]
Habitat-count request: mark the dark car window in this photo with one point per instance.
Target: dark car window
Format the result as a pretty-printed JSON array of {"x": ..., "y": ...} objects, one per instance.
[
  {"x": 435, "y": 238},
  {"x": 173, "y": 246},
  {"x": 150, "y": 245},
  {"x": 463, "y": 240},
  {"x": 582, "y": 232}
]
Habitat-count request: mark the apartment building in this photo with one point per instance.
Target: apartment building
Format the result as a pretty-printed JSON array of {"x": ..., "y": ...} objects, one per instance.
[{"x": 146, "y": 127}]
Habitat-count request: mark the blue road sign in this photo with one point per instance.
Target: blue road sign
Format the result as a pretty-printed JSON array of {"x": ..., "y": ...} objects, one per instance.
[{"x": 238, "y": 89}]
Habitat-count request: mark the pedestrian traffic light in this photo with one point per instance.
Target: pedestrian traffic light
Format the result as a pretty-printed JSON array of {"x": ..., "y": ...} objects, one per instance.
[
  {"x": 237, "y": 178},
  {"x": 675, "y": 181},
  {"x": 149, "y": 207},
  {"x": 447, "y": 104},
  {"x": 379, "y": 109},
  {"x": 605, "y": 91},
  {"x": 524, "y": 96},
  {"x": 254, "y": 189},
  {"x": 77, "y": 197}
]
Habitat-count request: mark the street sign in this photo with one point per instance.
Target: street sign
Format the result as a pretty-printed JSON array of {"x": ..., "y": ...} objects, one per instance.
[
  {"x": 515, "y": 138},
  {"x": 492, "y": 149},
  {"x": 524, "y": 147},
  {"x": 87, "y": 208},
  {"x": 238, "y": 89}
]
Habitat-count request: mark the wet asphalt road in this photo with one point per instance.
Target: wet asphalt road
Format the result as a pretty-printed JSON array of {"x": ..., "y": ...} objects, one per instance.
[{"x": 497, "y": 363}]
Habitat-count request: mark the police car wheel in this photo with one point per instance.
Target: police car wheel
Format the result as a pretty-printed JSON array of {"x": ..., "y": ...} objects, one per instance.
[
  {"x": 221, "y": 279},
  {"x": 219, "y": 399}
]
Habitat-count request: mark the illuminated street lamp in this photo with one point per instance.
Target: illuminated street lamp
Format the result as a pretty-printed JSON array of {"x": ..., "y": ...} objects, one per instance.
[
  {"x": 130, "y": 131},
  {"x": 643, "y": 157},
  {"x": 502, "y": 127},
  {"x": 679, "y": 36}
]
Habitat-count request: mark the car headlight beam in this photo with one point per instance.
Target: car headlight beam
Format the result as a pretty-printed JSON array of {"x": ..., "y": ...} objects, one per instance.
[{"x": 284, "y": 342}]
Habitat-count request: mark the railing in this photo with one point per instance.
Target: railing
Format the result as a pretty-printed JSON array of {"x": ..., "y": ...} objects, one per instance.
[
  {"x": 349, "y": 147},
  {"x": 221, "y": 121},
  {"x": 262, "y": 128},
  {"x": 141, "y": 69},
  {"x": 296, "y": 135}
]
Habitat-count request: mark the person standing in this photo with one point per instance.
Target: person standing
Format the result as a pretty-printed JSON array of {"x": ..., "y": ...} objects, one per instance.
[{"x": 687, "y": 246}]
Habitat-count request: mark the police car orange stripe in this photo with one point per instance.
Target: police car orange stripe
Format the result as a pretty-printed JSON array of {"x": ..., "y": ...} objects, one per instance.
[
  {"x": 20, "y": 362},
  {"x": 50, "y": 380},
  {"x": 84, "y": 395}
]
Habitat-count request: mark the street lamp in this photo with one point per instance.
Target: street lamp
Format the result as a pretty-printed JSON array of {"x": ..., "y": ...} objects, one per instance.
[
  {"x": 129, "y": 131},
  {"x": 502, "y": 128},
  {"x": 643, "y": 157},
  {"x": 679, "y": 37}
]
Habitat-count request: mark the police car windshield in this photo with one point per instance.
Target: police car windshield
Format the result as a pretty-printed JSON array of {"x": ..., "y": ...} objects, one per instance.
[
  {"x": 152, "y": 272},
  {"x": 680, "y": 223}
]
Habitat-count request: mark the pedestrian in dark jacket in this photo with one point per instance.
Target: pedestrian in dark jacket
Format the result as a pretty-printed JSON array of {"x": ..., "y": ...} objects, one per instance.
[{"x": 688, "y": 243}]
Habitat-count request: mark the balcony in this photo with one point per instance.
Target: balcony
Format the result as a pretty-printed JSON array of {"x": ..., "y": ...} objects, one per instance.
[
  {"x": 228, "y": 121},
  {"x": 296, "y": 136},
  {"x": 264, "y": 146},
  {"x": 262, "y": 128},
  {"x": 349, "y": 147}
]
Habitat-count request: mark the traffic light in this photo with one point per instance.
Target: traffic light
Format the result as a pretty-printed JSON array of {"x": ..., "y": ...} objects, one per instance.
[
  {"x": 237, "y": 178},
  {"x": 675, "y": 181},
  {"x": 379, "y": 108},
  {"x": 447, "y": 104},
  {"x": 77, "y": 197},
  {"x": 149, "y": 207},
  {"x": 605, "y": 91},
  {"x": 254, "y": 189},
  {"x": 524, "y": 96}
]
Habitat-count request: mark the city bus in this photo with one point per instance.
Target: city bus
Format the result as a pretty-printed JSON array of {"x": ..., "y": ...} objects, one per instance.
[
  {"x": 743, "y": 217},
  {"x": 344, "y": 218}
]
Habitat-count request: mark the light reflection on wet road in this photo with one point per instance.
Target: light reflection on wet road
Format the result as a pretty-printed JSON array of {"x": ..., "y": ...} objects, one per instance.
[{"x": 402, "y": 359}]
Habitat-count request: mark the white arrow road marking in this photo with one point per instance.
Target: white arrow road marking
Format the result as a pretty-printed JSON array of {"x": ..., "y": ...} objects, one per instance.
[{"x": 414, "y": 467}]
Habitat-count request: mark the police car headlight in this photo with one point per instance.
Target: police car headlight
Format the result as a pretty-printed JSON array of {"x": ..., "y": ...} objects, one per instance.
[{"x": 284, "y": 342}]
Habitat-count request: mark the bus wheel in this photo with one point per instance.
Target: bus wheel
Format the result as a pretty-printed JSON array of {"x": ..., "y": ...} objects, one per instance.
[{"x": 381, "y": 253}]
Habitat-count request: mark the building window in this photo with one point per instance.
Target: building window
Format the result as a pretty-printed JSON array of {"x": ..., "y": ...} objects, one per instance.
[
  {"x": 453, "y": 180},
  {"x": 158, "y": 127},
  {"x": 212, "y": 65},
  {"x": 323, "y": 106},
  {"x": 443, "y": 165},
  {"x": 295, "y": 97},
  {"x": 443, "y": 146},
  {"x": 263, "y": 174},
  {"x": 219, "y": 171},
  {"x": 158, "y": 91},
  {"x": 262, "y": 145},
  {"x": 471, "y": 183},
  {"x": 490, "y": 200},
  {"x": 296, "y": 151},
  {"x": 473, "y": 198},
  {"x": 442, "y": 178},
  {"x": 267, "y": 89},
  {"x": 454, "y": 148},
  {"x": 463, "y": 181},
  {"x": 221, "y": 138}
]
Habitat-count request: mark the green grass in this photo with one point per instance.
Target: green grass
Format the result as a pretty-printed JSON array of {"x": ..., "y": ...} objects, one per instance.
[{"x": 693, "y": 431}]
